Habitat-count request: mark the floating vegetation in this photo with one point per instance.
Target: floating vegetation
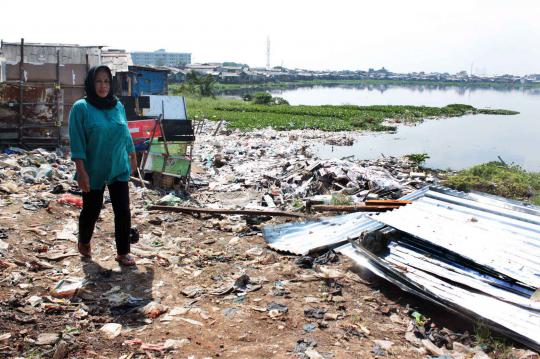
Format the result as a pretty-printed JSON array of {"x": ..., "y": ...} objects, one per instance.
[{"x": 248, "y": 116}]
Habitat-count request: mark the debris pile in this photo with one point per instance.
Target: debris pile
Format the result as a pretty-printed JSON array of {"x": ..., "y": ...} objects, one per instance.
[
  {"x": 266, "y": 168},
  {"x": 450, "y": 248},
  {"x": 205, "y": 285}
]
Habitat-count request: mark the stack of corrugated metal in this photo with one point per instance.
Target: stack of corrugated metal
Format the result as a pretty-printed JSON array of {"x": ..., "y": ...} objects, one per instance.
[{"x": 475, "y": 254}]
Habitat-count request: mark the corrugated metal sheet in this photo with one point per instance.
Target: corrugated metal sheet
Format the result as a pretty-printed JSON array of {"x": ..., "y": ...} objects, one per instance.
[
  {"x": 149, "y": 83},
  {"x": 44, "y": 66},
  {"x": 305, "y": 237},
  {"x": 509, "y": 319},
  {"x": 41, "y": 116},
  {"x": 404, "y": 255},
  {"x": 491, "y": 232},
  {"x": 46, "y": 53},
  {"x": 475, "y": 254}
]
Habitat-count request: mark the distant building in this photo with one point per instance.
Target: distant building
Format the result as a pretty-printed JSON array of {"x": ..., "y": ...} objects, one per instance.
[{"x": 160, "y": 58}]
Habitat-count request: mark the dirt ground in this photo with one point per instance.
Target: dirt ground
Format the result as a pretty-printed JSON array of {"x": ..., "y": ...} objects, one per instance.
[
  {"x": 233, "y": 325},
  {"x": 203, "y": 287}
]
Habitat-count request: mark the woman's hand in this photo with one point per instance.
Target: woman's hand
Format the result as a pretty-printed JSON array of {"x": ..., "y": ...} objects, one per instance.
[
  {"x": 133, "y": 162},
  {"x": 83, "y": 181},
  {"x": 82, "y": 177}
]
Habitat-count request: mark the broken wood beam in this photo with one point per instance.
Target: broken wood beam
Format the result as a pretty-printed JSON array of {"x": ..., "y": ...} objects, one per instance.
[
  {"x": 357, "y": 208},
  {"x": 140, "y": 180},
  {"x": 248, "y": 212}
]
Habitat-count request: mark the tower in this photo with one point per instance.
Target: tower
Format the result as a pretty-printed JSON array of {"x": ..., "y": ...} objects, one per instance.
[{"x": 268, "y": 52}]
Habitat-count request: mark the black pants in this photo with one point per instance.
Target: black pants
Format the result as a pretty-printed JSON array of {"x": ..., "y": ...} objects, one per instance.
[{"x": 92, "y": 202}]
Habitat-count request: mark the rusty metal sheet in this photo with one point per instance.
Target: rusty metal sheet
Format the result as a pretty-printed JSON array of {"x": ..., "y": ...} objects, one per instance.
[
  {"x": 41, "y": 114},
  {"x": 40, "y": 105},
  {"x": 70, "y": 74},
  {"x": 32, "y": 73}
]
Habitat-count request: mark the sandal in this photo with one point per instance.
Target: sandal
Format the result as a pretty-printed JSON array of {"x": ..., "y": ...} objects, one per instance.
[
  {"x": 125, "y": 260},
  {"x": 84, "y": 249}
]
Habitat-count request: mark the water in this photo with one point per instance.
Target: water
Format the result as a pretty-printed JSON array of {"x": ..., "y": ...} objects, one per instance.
[{"x": 455, "y": 143}]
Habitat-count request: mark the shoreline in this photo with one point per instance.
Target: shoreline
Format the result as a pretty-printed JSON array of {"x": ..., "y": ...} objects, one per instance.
[{"x": 224, "y": 87}]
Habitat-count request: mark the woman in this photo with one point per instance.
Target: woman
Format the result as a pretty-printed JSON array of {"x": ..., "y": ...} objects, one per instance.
[{"x": 103, "y": 152}]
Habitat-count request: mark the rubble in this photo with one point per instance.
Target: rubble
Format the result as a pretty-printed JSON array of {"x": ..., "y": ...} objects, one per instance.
[
  {"x": 205, "y": 283},
  {"x": 111, "y": 330}
]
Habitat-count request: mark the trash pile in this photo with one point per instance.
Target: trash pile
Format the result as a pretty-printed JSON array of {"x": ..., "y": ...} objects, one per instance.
[
  {"x": 274, "y": 169},
  {"x": 205, "y": 285},
  {"x": 38, "y": 168}
]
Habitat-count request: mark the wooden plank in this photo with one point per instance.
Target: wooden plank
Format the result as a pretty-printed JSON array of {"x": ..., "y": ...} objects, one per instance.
[
  {"x": 248, "y": 212},
  {"x": 21, "y": 91}
]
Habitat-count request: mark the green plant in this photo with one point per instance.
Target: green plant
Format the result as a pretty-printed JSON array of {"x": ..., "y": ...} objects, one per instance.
[
  {"x": 498, "y": 347},
  {"x": 417, "y": 159},
  {"x": 248, "y": 115},
  {"x": 279, "y": 101},
  {"x": 509, "y": 181},
  {"x": 339, "y": 199},
  {"x": 262, "y": 98},
  {"x": 355, "y": 318},
  {"x": 196, "y": 84},
  {"x": 297, "y": 203}
]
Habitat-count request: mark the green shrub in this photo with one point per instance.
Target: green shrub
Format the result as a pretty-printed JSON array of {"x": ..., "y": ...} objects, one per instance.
[
  {"x": 339, "y": 199},
  {"x": 279, "y": 101},
  {"x": 509, "y": 181},
  {"x": 262, "y": 98},
  {"x": 417, "y": 159}
]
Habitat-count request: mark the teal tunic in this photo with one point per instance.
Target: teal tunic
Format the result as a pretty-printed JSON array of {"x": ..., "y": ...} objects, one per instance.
[{"x": 101, "y": 138}]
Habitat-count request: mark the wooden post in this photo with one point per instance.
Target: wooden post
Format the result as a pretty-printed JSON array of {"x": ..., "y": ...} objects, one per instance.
[
  {"x": 248, "y": 212},
  {"x": 137, "y": 109},
  {"x": 145, "y": 154},
  {"x": 57, "y": 95},
  {"x": 21, "y": 91},
  {"x": 161, "y": 128},
  {"x": 218, "y": 127}
]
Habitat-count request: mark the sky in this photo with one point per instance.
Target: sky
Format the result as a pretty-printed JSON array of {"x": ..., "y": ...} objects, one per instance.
[{"x": 489, "y": 36}]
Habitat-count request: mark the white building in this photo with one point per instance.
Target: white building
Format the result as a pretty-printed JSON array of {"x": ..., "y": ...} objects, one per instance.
[{"x": 160, "y": 58}]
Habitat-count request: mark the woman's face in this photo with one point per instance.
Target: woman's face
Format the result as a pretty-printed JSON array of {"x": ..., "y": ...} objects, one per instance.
[{"x": 102, "y": 83}]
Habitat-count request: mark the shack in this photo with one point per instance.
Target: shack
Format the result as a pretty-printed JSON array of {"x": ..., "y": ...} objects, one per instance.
[
  {"x": 142, "y": 80},
  {"x": 38, "y": 85}
]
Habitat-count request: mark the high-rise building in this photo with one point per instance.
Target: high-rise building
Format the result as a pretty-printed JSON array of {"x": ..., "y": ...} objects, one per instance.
[{"x": 160, "y": 58}]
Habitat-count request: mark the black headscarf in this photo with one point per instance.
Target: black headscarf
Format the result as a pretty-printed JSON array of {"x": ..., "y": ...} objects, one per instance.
[{"x": 91, "y": 95}]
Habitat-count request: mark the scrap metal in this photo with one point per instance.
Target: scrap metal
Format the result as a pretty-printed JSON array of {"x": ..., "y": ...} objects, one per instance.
[
  {"x": 311, "y": 236},
  {"x": 472, "y": 253}
]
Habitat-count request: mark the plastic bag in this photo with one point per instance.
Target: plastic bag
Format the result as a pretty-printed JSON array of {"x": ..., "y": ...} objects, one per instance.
[
  {"x": 71, "y": 199},
  {"x": 67, "y": 288}
]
